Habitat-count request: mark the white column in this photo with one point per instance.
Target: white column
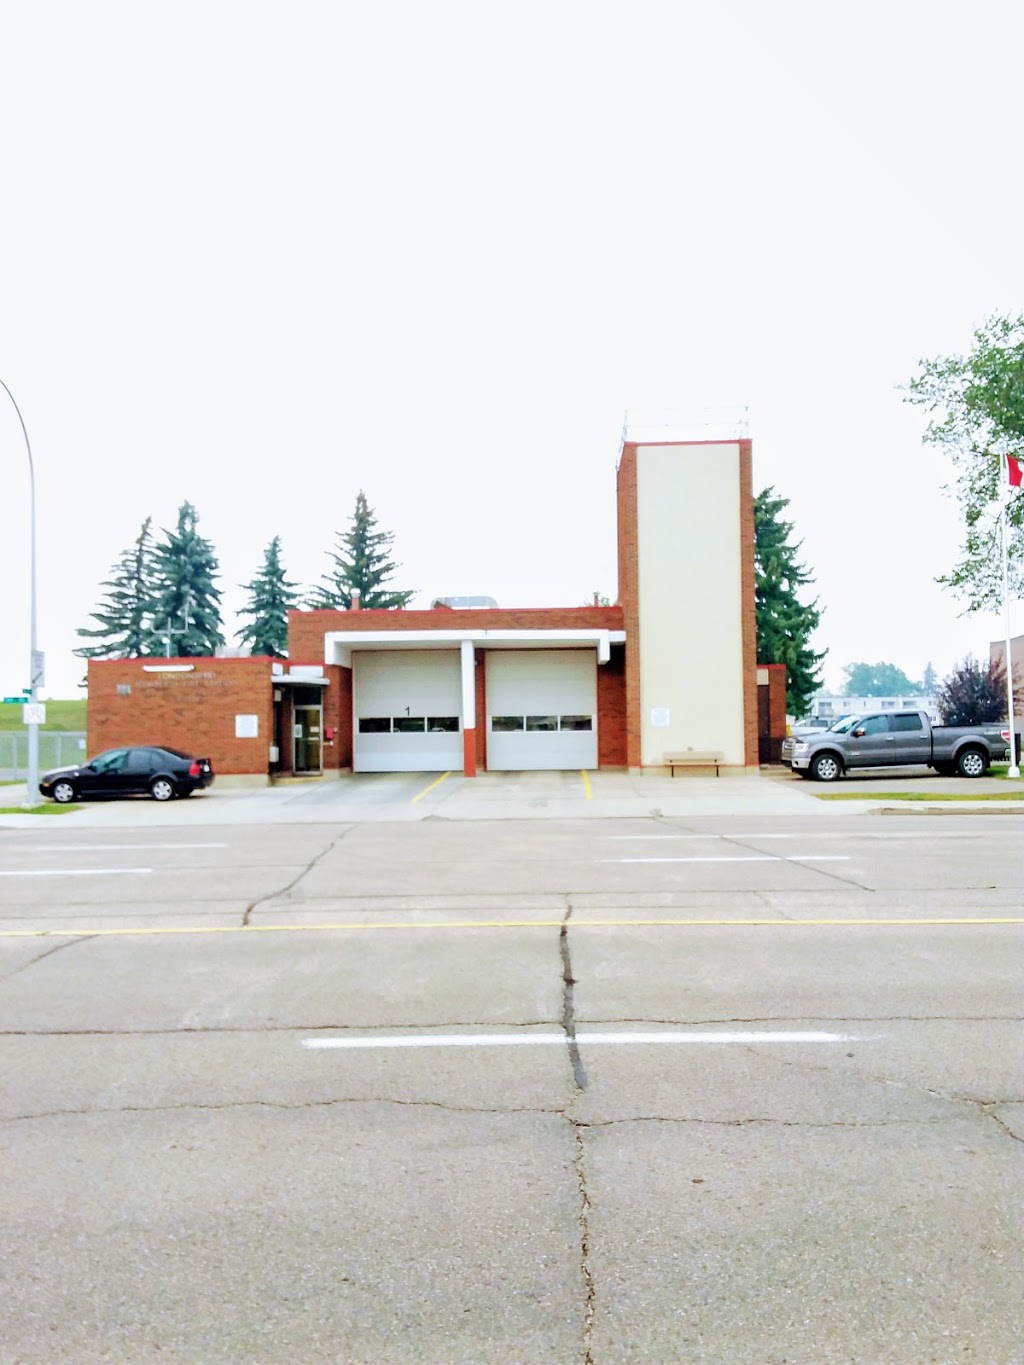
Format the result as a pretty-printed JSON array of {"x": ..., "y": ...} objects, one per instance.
[{"x": 468, "y": 661}]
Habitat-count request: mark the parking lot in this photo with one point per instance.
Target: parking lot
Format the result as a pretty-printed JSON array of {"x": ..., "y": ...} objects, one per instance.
[{"x": 658, "y": 1070}]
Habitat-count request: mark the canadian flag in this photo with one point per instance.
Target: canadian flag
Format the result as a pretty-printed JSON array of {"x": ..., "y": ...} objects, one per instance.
[{"x": 1015, "y": 470}]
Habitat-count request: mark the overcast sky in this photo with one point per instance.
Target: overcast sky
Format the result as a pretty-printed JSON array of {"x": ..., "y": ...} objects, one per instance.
[{"x": 261, "y": 256}]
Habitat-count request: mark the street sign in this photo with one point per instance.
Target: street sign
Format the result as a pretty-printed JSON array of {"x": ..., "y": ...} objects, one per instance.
[
  {"x": 34, "y": 713},
  {"x": 10, "y": 701},
  {"x": 38, "y": 662}
]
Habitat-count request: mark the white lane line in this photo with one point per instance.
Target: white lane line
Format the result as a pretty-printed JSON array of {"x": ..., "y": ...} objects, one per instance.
[
  {"x": 78, "y": 872},
  {"x": 749, "y": 858},
  {"x": 559, "y": 1039},
  {"x": 106, "y": 848},
  {"x": 614, "y": 837}
]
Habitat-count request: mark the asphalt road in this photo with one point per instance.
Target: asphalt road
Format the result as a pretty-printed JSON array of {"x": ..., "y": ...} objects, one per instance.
[{"x": 639, "y": 1089}]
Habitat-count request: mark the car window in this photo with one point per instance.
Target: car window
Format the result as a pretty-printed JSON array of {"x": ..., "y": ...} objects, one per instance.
[
  {"x": 846, "y": 724},
  {"x": 875, "y": 725},
  {"x": 139, "y": 761},
  {"x": 110, "y": 762},
  {"x": 908, "y": 722}
]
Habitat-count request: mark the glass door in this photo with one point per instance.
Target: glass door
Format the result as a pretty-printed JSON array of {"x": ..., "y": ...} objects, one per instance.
[{"x": 307, "y": 730}]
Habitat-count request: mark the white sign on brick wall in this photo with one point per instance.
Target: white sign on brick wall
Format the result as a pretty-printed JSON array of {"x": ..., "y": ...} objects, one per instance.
[{"x": 247, "y": 727}]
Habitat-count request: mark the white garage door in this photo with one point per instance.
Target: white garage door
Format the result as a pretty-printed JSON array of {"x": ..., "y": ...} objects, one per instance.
[
  {"x": 541, "y": 709},
  {"x": 406, "y": 711}
]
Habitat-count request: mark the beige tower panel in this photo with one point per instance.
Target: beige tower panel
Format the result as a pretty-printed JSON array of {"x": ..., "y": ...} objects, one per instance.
[{"x": 690, "y": 600}]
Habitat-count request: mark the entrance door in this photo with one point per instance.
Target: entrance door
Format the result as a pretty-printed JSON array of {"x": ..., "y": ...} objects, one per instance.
[{"x": 307, "y": 732}]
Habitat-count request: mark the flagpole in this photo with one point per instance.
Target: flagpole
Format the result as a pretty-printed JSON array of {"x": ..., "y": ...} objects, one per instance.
[{"x": 1013, "y": 770}]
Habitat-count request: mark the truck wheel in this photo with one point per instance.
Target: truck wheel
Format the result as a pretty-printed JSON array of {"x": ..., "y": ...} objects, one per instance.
[
  {"x": 971, "y": 763},
  {"x": 826, "y": 768}
]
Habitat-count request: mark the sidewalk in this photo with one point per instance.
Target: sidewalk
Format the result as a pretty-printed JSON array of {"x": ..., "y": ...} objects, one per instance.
[{"x": 407, "y": 797}]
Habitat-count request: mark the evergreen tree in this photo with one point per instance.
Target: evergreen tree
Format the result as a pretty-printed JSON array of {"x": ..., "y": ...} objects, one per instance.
[
  {"x": 784, "y": 623},
  {"x": 973, "y": 695},
  {"x": 361, "y": 563},
  {"x": 187, "y": 604},
  {"x": 271, "y": 597},
  {"x": 929, "y": 680},
  {"x": 125, "y": 614}
]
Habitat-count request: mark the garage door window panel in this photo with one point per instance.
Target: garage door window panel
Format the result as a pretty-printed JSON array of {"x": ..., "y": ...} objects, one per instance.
[
  {"x": 375, "y": 725},
  {"x": 409, "y": 725}
]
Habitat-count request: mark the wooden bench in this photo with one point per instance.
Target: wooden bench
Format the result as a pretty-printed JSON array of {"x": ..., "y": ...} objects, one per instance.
[{"x": 694, "y": 758}]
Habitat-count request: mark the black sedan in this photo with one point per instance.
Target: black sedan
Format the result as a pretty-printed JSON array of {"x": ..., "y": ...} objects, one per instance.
[{"x": 162, "y": 773}]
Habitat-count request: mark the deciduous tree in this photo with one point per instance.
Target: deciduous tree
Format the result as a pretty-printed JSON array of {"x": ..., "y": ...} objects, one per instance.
[
  {"x": 784, "y": 623},
  {"x": 976, "y": 407},
  {"x": 877, "y": 680},
  {"x": 973, "y": 694}
]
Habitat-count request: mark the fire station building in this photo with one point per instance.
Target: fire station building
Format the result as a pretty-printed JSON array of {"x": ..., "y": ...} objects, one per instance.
[{"x": 668, "y": 673}]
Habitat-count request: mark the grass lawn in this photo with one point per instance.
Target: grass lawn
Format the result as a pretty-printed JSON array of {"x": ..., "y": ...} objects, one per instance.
[
  {"x": 60, "y": 715},
  {"x": 49, "y": 809}
]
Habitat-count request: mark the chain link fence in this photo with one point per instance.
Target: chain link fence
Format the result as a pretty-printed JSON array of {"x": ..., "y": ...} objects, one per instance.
[{"x": 57, "y": 749}]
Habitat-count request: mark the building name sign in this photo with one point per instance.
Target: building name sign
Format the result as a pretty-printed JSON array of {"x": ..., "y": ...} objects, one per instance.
[{"x": 179, "y": 680}]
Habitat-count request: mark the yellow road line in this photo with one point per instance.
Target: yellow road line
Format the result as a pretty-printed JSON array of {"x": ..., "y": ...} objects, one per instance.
[
  {"x": 436, "y": 783},
  {"x": 586, "y": 783},
  {"x": 498, "y": 924}
]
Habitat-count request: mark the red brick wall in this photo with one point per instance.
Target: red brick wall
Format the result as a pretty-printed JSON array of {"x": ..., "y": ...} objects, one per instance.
[
  {"x": 749, "y": 624},
  {"x": 629, "y": 595},
  {"x": 776, "y": 699},
  {"x": 612, "y": 747},
  {"x": 306, "y": 629},
  {"x": 194, "y": 711},
  {"x": 481, "y": 710}
]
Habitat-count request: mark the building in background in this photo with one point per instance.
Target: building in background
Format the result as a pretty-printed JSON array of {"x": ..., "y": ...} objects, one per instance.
[{"x": 832, "y": 705}]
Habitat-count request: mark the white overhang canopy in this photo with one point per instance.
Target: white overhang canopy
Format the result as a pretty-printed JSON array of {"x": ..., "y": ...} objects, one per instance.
[{"x": 340, "y": 645}]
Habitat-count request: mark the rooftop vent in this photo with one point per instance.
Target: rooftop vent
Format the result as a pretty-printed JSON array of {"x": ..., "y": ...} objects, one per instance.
[{"x": 459, "y": 602}]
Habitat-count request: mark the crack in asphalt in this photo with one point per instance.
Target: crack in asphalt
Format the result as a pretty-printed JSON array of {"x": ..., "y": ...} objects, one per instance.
[
  {"x": 985, "y": 1108},
  {"x": 283, "y": 890},
  {"x": 988, "y": 1109},
  {"x": 230, "y": 1105},
  {"x": 579, "y": 1076},
  {"x": 259, "y": 1029},
  {"x": 58, "y": 947}
]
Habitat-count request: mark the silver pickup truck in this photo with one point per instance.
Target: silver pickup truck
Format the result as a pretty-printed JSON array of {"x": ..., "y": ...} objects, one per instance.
[{"x": 891, "y": 739}]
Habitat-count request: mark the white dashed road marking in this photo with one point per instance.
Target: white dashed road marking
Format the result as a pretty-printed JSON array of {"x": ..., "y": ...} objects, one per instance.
[
  {"x": 558, "y": 1039},
  {"x": 743, "y": 858},
  {"x": 78, "y": 872}
]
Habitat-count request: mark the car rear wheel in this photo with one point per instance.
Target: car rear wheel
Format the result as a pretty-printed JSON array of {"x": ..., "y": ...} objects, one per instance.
[
  {"x": 971, "y": 763},
  {"x": 63, "y": 792},
  {"x": 161, "y": 789}
]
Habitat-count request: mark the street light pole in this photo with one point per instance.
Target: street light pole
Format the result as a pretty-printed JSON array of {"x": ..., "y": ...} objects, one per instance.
[{"x": 32, "y": 794}]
